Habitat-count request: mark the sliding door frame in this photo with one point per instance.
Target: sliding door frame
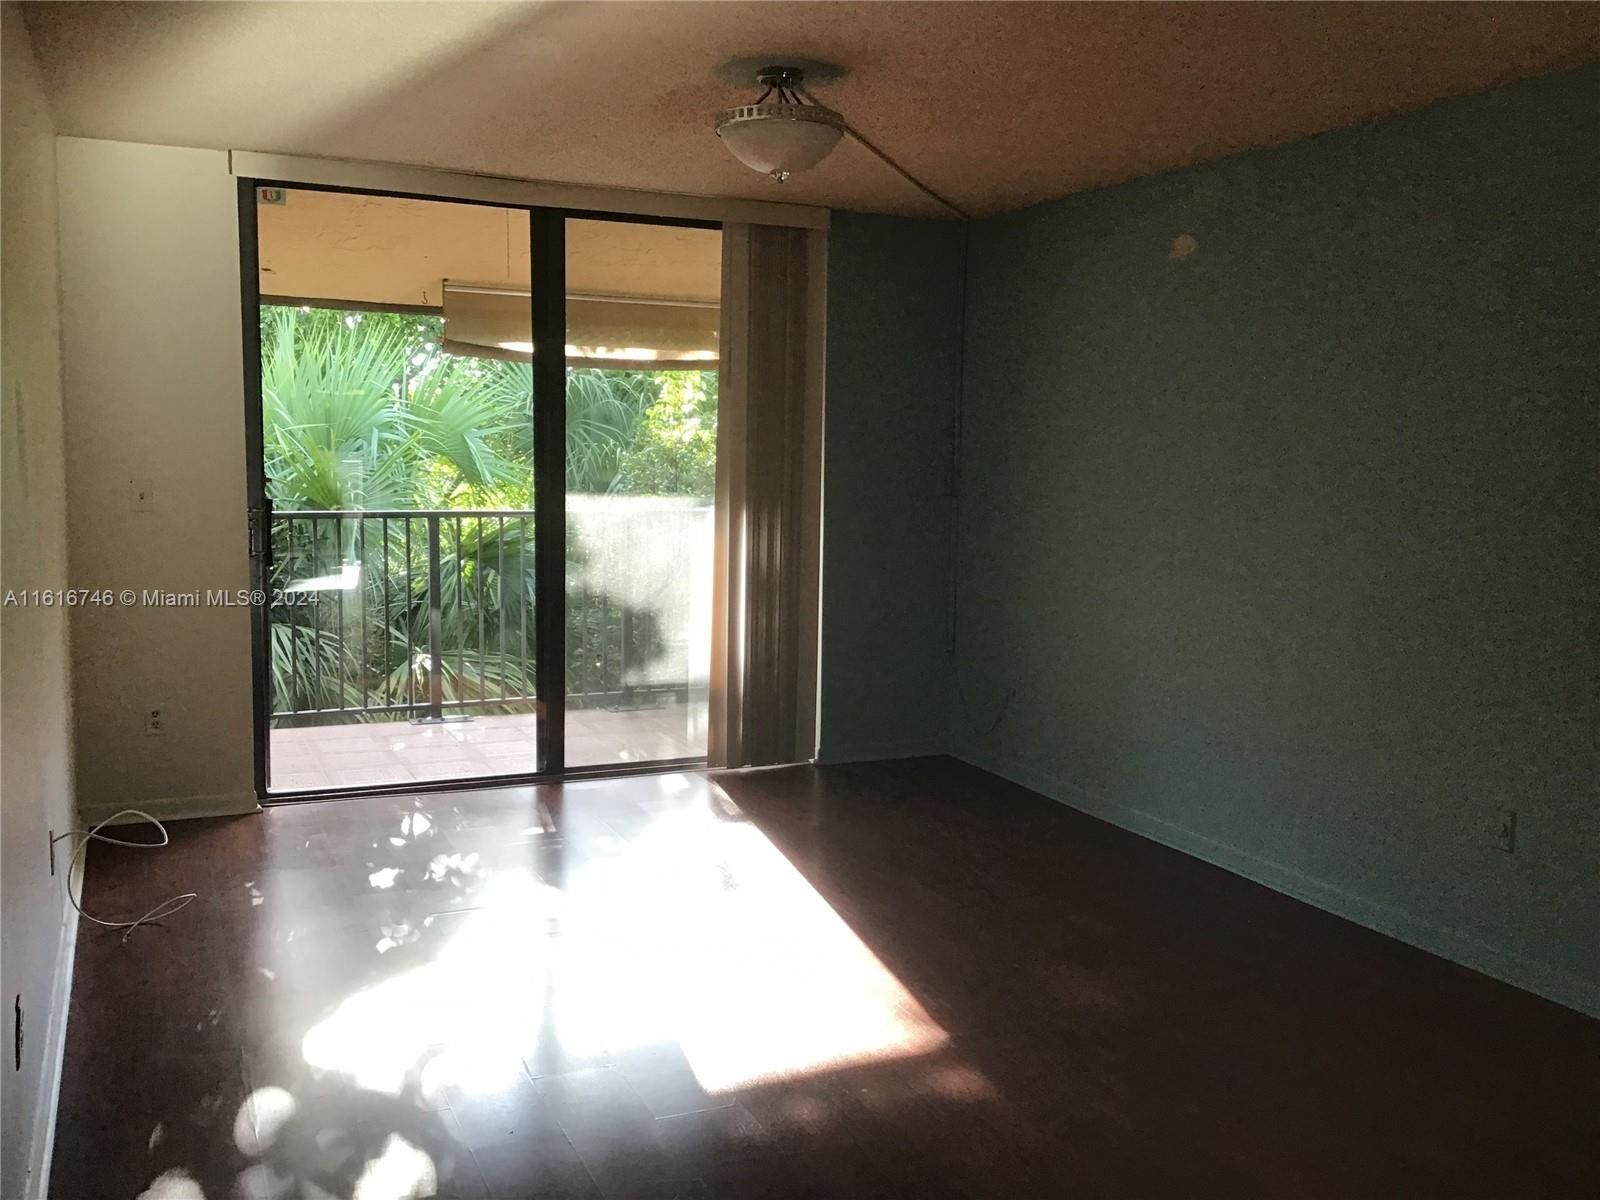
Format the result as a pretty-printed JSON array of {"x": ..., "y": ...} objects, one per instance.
[
  {"x": 258, "y": 505},
  {"x": 548, "y": 246},
  {"x": 547, "y": 287}
]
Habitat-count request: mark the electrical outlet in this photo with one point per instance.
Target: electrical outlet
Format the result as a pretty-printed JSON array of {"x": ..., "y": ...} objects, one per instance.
[
  {"x": 155, "y": 722},
  {"x": 1505, "y": 830}
]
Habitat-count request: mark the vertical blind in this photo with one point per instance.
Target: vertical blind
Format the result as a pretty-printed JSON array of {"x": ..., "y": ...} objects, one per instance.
[{"x": 769, "y": 460}]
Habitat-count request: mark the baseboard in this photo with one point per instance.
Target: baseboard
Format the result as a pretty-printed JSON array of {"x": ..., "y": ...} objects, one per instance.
[
  {"x": 178, "y": 808},
  {"x": 832, "y": 755},
  {"x": 1540, "y": 978},
  {"x": 42, "y": 1137}
]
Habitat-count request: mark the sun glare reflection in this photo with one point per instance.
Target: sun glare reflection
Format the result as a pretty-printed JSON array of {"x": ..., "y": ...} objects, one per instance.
[
  {"x": 463, "y": 1013},
  {"x": 696, "y": 932},
  {"x": 400, "y": 1172},
  {"x": 260, "y": 1119},
  {"x": 173, "y": 1185}
]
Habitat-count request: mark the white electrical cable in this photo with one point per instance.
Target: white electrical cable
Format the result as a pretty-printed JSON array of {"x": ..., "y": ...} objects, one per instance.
[
  {"x": 93, "y": 834},
  {"x": 868, "y": 145}
]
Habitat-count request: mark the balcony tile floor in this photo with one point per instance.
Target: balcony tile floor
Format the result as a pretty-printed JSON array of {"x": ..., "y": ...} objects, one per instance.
[{"x": 389, "y": 752}]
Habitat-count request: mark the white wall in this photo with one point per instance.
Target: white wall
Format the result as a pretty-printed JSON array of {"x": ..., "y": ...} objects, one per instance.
[
  {"x": 155, "y": 398},
  {"x": 35, "y": 750}
]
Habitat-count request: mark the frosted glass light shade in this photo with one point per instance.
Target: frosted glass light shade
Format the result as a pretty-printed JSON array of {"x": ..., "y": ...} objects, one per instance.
[{"x": 780, "y": 139}]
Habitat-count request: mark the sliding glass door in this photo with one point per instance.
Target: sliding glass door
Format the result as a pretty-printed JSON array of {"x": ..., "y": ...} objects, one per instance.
[
  {"x": 642, "y": 325},
  {"x": 482, "y": 443}
]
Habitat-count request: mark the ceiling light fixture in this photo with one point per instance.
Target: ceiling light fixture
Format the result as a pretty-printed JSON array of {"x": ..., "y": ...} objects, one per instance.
[
  {"x": 782, "y": 131},
  {"x": 791, "y": 133}
]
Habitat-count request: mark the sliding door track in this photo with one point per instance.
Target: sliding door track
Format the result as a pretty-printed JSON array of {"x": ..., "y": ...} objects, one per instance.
[{"x": 420, "y": 787}]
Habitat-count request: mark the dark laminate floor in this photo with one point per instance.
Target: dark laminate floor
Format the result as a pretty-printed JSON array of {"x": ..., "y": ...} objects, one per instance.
[{"x": 890, "y": 980}]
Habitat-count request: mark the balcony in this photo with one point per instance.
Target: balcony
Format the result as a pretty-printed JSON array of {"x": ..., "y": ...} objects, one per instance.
[
  {"x": 375, "y": 753},
  {"x": 403, "y": 641}
]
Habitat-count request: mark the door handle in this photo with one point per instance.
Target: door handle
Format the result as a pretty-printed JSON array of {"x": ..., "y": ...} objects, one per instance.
[{"x": 260, "y": 526}]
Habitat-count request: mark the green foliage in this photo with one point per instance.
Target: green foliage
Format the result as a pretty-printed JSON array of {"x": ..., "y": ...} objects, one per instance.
[
  {"x": 463, "y": 424},
  {"x": 675, "y": 450},
  {"x": 333, "y": 435},
  {"x": 361, "y": 410},
  {"x": 604, "y": 413}
]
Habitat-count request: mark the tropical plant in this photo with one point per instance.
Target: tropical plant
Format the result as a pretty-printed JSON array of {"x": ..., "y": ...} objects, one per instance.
[
  {"x": 604, "y": 414},
  {"x": 674, "y": 452},
  {"x": 333, "y": 436},
  {"x": 362, "y": 411}
]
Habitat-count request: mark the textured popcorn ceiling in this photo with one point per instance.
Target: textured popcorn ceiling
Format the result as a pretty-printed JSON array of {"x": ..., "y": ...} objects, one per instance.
[{"x": 996, "y": 105}]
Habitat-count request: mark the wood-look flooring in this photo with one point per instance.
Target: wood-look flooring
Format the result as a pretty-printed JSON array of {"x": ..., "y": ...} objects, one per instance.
[{"x": 903, "y": 979}]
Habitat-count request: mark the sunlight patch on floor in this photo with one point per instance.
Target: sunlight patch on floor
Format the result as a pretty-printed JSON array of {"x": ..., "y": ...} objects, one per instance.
[
  {"x": 400, "y": 1172},
  {"x": 697, "y": 932},
  {"x": 468, "y": 1009}
]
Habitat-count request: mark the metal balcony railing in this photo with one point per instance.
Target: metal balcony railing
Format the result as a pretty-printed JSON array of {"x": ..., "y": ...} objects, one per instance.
[{"x": 425, "y": 612}]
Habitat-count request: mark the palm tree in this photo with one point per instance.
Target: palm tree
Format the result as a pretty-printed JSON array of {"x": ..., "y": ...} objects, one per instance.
[
  {"x": 360, "y": 412},
  {"x": 604, "y": 412}
]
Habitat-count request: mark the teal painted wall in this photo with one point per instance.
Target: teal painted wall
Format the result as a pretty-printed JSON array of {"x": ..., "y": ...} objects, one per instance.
[
  {"x": 893, "y": 345},
  {"x": 1285, "y": 552}
]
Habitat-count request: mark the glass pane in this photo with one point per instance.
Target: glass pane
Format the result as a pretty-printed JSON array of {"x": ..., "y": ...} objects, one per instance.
[
  {"x": 399, "y": 465},
  {"x": 642, "y": 310}
]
